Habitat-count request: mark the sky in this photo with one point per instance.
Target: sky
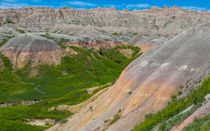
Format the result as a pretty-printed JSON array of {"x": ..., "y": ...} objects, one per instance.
[{"x": 119, "y": 4}]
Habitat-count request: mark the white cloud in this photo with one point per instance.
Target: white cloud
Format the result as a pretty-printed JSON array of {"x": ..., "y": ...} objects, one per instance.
[
  {"x": 8, "y": 0},
  {"x": 193, "y": 8},
  {"x": 138, "y": 6},
  {"x": 80, "y": 3},
  {"x": 5, "y": 5}
]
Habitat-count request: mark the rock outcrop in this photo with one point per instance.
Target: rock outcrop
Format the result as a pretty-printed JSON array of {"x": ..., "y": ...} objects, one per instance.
[
  {"x": 32, "y": 51},
  {"x": 147, "y": 84},
  {"x": 96, "y": 45},
  {"x": 154, "y": 21}
]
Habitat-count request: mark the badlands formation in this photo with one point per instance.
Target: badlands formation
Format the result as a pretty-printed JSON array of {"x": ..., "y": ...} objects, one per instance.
[
  {"x": 34, "y": 49},
  {"x": 147, "y": 84},
  {"x": 146, "y": 25},
  {"x": 176, "y": 42}
]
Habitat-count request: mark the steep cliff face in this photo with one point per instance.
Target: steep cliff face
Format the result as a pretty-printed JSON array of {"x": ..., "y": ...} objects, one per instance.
[
  {"x": 147, "y": 84},
  {"x": 154, "y": 21},
  {"x": 32, "y": 50}
]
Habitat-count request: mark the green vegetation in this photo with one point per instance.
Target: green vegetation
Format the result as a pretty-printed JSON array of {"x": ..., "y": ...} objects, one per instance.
[
  {"x": 116, "y": 34},
  {"x": 177, "y": 119},
  {"x": 18, "y": 126},
  {"x": 9, "y": 21},
  {"x": 57, "y": 85},
  {"x": 21, "y": 31},
  {"x": 116, "y": 117},
  {"x": 202, "y": 124},
  {"x": 134, "y": 34},
  {"x": 107, "y": 39},
  {"x": 5, "y": 40},
  {"x": 176, "y": 106},
  {"x": 58, "y": 41},
  {"x": 72, "y": 34}
]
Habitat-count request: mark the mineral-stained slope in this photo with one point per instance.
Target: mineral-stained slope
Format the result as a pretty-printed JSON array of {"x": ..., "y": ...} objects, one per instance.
[
  {"x": 147, "y": 84},
  {"x": 32, "y": 50}
]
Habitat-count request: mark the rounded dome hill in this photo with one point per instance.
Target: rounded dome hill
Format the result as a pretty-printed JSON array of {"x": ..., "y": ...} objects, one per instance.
[
  {"x": 30, "y": 43},
  {"x": 33, "y": 49}
]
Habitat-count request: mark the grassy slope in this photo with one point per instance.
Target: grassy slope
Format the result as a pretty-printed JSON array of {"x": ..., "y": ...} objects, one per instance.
[
  {"x": 87, "y": 69},
  {"x": 202, "y": 124},
  {"x": 5, "y": 40},
  {"x": 175, "y": 107}
]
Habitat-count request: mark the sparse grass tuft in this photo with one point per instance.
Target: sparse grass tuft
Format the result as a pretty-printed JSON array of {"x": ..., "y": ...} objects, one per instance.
[
  {"x": 116, "y": 117},
  {"x": 116, "y": 34},
  {"x": 21, "y": 31}
]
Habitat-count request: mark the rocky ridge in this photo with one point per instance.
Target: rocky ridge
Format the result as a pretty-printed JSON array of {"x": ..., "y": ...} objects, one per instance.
[{"x": 153, "y": 22}]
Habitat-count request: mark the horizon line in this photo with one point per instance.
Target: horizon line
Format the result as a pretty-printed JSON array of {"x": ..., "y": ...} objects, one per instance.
[{"x": 170, "y": 7}]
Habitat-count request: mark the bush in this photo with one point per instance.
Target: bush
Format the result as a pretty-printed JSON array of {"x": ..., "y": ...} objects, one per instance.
[
  {"x": 106, "y": 39},
  {"x": 21, "y": 31},
  {"x": 116, "y": 34},
  {"x": 9, "y": 21},
  {"x": 116, "y": 117}
]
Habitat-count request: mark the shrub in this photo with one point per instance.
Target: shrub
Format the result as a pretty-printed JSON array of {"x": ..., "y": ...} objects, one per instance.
[
  {"x": 116, "y": 117},
  {"x": 21, "y": 31},
  {"x": 106, "y": 39},
  {"x": 116, "y": 34},
  {"x": 9, "y": 21},
  {"x": 130, "y": 92}
]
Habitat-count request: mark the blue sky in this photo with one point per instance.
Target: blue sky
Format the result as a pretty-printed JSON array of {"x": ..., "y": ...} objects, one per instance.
[{"x": 119, "y": 4}]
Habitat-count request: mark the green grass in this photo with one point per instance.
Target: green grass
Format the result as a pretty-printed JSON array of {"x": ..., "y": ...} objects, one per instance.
[
  {"x": 71, "y": 34},
  {"x": 107, "y": 39},
  {"x": 58, "y": 41},
  {"x": 5, "y": 40},
  {"x": 177, "y": 119},
  {"x": 87, "y": 69},
  {"x": 9, "y": 125},
  {"x": 116, "y": 34},
  {"x": 21, "y": 31},
  {"x": 116, "y": 117},
  {"x": 175, "y": 107},
  {"x": 202, "y": 124},
  {"x": 9, "y": 21},
  {"x": 135, "y": 33}
]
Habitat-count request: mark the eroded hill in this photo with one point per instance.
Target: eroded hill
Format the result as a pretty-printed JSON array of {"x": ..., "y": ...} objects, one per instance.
[
  {"x": 54, "y": 63},
  {"x": 137, "y": 26},
  {"x": 147, "y": 84}
]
